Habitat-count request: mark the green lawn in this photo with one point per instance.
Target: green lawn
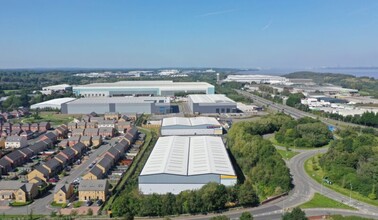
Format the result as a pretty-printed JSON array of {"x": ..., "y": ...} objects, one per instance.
[
  {"x": 315, "y": 171},
  {"x": 53, "y": 117},
  {"x": 320, "y": 201},
  {"x": 340, "y": 217},
  {"x": 287, "y": 154}
]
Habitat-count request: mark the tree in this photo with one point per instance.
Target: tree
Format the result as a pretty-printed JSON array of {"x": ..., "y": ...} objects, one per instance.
[
  {"x": 90, "y": 212},
  {"x": 295, "y": 214},
  {"x": 246, "y": 216},
  {"x": 247, "y": 195}
]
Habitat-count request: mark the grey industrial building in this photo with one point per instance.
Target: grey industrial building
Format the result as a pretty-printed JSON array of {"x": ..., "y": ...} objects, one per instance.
[
  {"x": 215, "y": 103},
  {"x": 101, "y": 105},
  {"x": 155, "y": 88},
  {"x": 190, "y": 126},
  {"x": 179, "y": 163}
]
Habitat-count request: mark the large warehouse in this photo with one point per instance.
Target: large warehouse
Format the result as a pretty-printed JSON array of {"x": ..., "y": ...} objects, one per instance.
[
  {"x": 52, "y": 104},
  {"x": 101, "y": 105},
  {"x": 156, "y": 88},
  {"x": 179, "y": 163},
  {"x": 215, "y": 103},
  {"x": 259, "y": 79},
  {"x": 190, "y": 126}
]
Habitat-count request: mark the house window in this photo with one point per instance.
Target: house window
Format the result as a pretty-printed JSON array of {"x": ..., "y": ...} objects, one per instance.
[{"x": 60, "y": 194}]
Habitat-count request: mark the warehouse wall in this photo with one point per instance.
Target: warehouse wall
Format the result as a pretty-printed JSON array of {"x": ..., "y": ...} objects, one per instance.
[
  {"x": 84, "y": 108},
  {"x": 178, "y": 179},
  {"x": 212, "y": 108},
  {"x": 167, "y": 188},
  {"x": 134, "y": 108}
]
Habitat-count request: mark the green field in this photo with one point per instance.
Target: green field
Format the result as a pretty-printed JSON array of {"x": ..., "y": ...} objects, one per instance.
[
  {"x": 287, "y": 154},
  {"x": 320, "y": 201},
  {"x": 318, "y": 174},
  {"x": 53, "y": 117}
]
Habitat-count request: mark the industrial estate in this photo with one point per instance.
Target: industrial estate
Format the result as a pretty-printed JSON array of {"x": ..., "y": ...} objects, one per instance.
[{"x": 162, "y": 137}]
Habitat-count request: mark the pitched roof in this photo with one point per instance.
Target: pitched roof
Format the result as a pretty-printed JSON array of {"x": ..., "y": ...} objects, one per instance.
[
  {"x": 91, "y": 131},
  {"x": 113, "y": 152},
  {"x": 62, "y": 186},
  {"x": 26, "y": 151},
  {"x": 38, "y": 147},
  {"x": 15, "y": 155},
  {"x": 105, "y": 129},
  {"x": 52, "y": 164},
  {"x": 15, "y": 138},
  {"x": 93, "y": 185},
  {"x": 10, "y": 184},
  {"x": 4, "y": 162},
  {"x": 61, "y": 158},
  {"x": 133, "y": 131},
  {"x": 85, "y": 138},
  {"x": 43, "y": 170},
  {"x": 96, "y": 171},
  {"x": 79, "y": 147},
  {"x": 51, "y": 135},
  {"x": 105, "y": 162}
]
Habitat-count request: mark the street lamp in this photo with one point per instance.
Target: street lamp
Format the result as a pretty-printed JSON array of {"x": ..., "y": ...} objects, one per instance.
[{"x": 350, "y": 193}]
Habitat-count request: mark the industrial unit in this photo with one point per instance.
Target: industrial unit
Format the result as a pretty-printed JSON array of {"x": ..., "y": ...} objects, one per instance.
[
  {"x": 191, "y": 126},
  {"x": 52, "y": 104},
  {"x": 102, "y": 105},
  {"x": 259, "y": 79},
  {"x": 215, "y": 103},
  {"x": 179, "y": 163},
  {"x": 127, "y": 88}
]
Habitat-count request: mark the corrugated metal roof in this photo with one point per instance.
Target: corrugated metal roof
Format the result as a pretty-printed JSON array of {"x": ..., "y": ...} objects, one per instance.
[
  {"x": 210, "y": 98},
  {"x": 184, "y": 155},
  {"x": 170, "y": 155},
  {"x": 194, "y": 121},
  {"x": 126, "y": 99}
]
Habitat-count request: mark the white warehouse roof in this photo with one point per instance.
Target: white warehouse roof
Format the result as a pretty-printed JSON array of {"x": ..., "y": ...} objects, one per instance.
[
  {"x": 125, "y": 99},
  {"x": 53, "y": 103},
  {"x": 213, "y": 98},
  {"x": 188, "y": 155},
  {"x": 194, "y": 121}
]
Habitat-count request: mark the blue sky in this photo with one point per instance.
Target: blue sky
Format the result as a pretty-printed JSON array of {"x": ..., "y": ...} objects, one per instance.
[{"x": 188, "y": 33}]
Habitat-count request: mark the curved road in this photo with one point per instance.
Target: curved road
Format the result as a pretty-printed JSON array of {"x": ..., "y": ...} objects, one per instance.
[{"x": 303, "y": 191}]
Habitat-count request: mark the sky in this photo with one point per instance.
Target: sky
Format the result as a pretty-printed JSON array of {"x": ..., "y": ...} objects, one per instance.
[{"x": 188, "y": 33}]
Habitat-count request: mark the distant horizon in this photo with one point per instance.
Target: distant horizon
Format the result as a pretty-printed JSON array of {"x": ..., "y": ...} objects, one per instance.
[
  {"x": 363, "y": 71},
  {"x": 166, "y": 33}
]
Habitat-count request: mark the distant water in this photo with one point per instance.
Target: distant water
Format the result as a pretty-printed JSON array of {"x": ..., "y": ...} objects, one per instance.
[{"x": 369, "y": 72}]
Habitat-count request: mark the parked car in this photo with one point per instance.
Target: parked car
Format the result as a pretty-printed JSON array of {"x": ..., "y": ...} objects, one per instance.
[
  {"x": 99, "y": 202},
  {"x": 89, "y": 202}
]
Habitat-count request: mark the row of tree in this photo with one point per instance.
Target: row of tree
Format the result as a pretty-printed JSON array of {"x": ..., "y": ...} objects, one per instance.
[
  {"x": 367, "y": 118},
  {"x": 211, "y": 197},
  {"x": 352, "y": 162},
  {"x": 261, "y": 164},
  {"x": 24, "y": 100},
  {"x": 304, "y": 132}
]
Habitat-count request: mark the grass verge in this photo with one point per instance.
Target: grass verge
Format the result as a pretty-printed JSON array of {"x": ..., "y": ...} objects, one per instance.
[
  {"x": 275, "y": 142},
  {"x": 320, "y": 201},
  {"x": 313, "y": 169},
  {"x": 140, "y": 159},
  {"x": 21, "y": 217},
  {"x": 287, "y": 154}
]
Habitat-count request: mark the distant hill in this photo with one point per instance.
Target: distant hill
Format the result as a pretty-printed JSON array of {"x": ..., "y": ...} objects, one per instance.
[{"x": 365, "y": 84}]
